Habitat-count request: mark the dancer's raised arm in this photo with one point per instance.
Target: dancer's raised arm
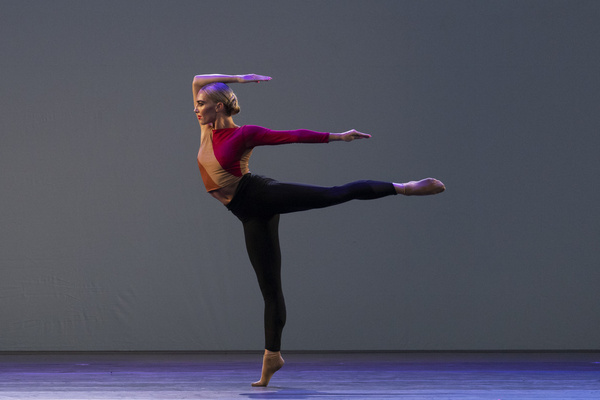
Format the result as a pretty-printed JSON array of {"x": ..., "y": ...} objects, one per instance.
[{"x": 205, "y": 79}]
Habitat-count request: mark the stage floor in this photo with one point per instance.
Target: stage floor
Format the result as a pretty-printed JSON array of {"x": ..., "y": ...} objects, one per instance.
[{"x": 465, "y": 376}]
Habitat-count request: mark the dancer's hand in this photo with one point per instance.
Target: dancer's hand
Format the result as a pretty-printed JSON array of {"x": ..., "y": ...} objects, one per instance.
[
  {"x": 253, "y": 78},
  {"x": 348, "y": 136}
]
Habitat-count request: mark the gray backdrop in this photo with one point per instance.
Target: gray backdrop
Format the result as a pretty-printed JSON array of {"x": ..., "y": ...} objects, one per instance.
[{"x": 108, "y": 240}]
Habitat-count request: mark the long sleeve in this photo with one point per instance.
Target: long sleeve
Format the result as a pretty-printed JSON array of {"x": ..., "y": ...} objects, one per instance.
[{"x": 259, "y": 136}]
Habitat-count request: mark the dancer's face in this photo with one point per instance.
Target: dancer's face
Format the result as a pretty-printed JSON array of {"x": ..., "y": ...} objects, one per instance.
[{"x": 206, "y": 109}]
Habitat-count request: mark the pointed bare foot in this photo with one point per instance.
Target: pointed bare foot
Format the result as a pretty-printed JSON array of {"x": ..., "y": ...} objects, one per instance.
[
  {"x": 423, "y": 187},
  {"x": 272, "y": 362}
]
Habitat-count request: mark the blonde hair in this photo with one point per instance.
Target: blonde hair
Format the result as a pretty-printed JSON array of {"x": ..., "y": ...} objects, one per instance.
[{"x": 221, "y": 93}]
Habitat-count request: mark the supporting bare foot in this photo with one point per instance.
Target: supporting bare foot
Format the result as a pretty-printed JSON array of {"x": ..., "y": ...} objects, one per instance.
[
  {"x": 272, "y": 362},
  {"x": 423, "y": 187}
]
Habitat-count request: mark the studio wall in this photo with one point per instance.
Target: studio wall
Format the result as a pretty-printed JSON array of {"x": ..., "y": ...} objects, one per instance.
[{"x": 108, "y": 240}]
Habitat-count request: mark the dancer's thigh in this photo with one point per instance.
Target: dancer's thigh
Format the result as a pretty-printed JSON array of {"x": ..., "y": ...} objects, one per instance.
[
  {"x": 262, "y": 244},
  {"x": 282, "y": 197}
]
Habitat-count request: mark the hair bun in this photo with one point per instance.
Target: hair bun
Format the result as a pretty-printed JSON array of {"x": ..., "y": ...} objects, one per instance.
[
  {"x": 234, "y": 109},
  {"x": 221, "y": 93}
]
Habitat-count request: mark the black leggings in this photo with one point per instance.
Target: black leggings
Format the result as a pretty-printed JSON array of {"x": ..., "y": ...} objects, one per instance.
[{"x": 258, "y": 201}]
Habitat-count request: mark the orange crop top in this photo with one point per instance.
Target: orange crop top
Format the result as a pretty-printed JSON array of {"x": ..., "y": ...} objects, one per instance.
[{"x": 224, "y": 153}]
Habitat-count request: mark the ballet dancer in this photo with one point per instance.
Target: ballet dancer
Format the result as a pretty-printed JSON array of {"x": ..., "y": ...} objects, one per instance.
[{"x": 257, "y": 201}]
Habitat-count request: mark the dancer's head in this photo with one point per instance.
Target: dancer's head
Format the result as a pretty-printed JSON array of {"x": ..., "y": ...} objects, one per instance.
[{"x": 220, "y": 93}]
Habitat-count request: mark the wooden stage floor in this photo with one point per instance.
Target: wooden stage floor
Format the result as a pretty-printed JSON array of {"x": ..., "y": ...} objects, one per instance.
[{"x": 465, "y": 376}]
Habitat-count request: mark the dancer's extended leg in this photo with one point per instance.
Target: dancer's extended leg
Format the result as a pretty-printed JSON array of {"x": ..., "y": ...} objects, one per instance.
[
  {"x": 281, "y": 198},
  {"x": 291, "y": 197}
]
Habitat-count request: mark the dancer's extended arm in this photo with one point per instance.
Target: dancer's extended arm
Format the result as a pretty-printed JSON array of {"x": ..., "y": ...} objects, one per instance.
[{"x": 258, "y": 136}]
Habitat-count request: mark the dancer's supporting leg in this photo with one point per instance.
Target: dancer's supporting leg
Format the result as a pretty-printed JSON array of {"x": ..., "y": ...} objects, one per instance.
[{"x": 262, "y": 243}]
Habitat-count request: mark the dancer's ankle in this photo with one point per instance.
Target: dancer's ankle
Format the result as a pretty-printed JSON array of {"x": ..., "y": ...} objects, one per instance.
[
  {"x": 272, "y": 362},
  {"x": 400, "y": 188}
]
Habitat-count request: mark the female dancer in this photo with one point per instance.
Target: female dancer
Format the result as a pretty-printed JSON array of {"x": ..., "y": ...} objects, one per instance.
[{"x": 225, "y": 149}]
